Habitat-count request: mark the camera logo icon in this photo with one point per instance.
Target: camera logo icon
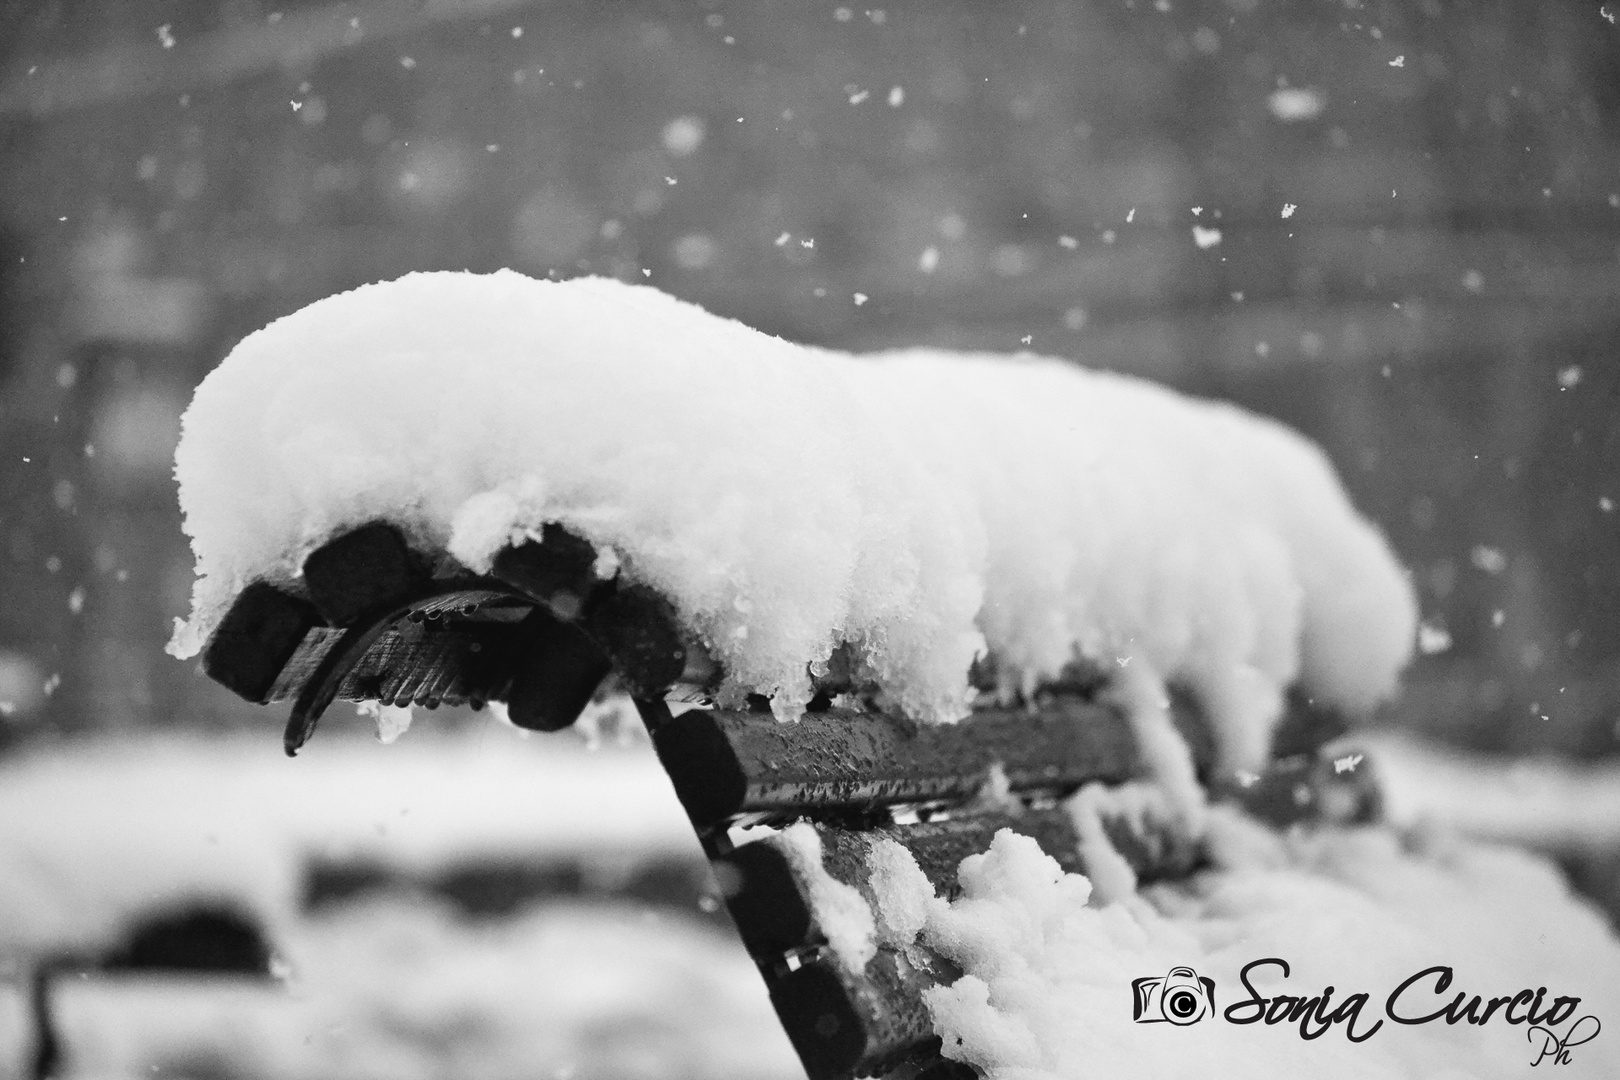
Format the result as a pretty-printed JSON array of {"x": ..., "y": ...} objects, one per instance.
[{"x": 1181, "y": 997}]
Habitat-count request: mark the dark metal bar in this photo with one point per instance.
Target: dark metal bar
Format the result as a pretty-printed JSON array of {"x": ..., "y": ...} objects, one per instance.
[
  {"x": 363, "y": 572},
  {"x": 259, "y": 635},
  {"x": 846, "y": 1025},
  {"x": 766, "y": 900},
  {"x": 301, "y": 666},
  {"x": 323, "y": 685},
  {"x": 728, "y": 763},
  {"x": 558, "y": 570},
  {"x": 557, "y": 669},
  {"x": 639, "y": 630}
]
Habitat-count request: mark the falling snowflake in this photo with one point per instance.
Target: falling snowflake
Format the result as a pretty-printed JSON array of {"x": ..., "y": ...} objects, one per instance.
[
  {"x": 1289, "y": 104},
  {"x": 897, "y": 97},
  {"x": 695, "y": 251},
  {"x": 165, "y": 37},
  {"x": 683, "y": 135},
  {"x": 1347, "y": 763},
  {"x": 781, "y": 241},
  {"x": 1399, "y": 61},
  {"x": 1433, "y": 639},
  {"x": 1205, "y": 238},
  {"x": 1288, "y": 209},
  {"x": 860, "y": 298},
  {"x": 929, "y": 260}
]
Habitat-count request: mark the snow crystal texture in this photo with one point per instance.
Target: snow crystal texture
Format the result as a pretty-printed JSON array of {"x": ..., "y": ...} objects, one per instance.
[{"x": 920, "y": 506}]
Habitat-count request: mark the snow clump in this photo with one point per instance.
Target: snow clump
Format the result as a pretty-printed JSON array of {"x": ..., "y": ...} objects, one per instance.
[{"x": 921, "y": 506}]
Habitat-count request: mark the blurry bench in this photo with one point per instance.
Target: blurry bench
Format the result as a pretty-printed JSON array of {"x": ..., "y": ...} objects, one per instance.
[
  {"x": 501, "y": 886},
  {"x": 208, "y": 939}
]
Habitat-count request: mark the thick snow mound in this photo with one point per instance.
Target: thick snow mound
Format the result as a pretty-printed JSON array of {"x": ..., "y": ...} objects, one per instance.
[
  {"x": 1047, "y": 989},
  {"x": 919, "y": 506}
]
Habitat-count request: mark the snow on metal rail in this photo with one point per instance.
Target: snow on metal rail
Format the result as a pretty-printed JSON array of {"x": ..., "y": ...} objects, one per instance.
[{"x": 371, "y": 619}]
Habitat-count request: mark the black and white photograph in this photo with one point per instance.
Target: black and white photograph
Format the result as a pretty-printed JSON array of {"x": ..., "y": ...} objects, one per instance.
[{"x": 791, "y": 540}]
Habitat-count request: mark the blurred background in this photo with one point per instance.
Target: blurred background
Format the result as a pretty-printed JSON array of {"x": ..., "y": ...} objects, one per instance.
[{"x": 1395, "y": 225}]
